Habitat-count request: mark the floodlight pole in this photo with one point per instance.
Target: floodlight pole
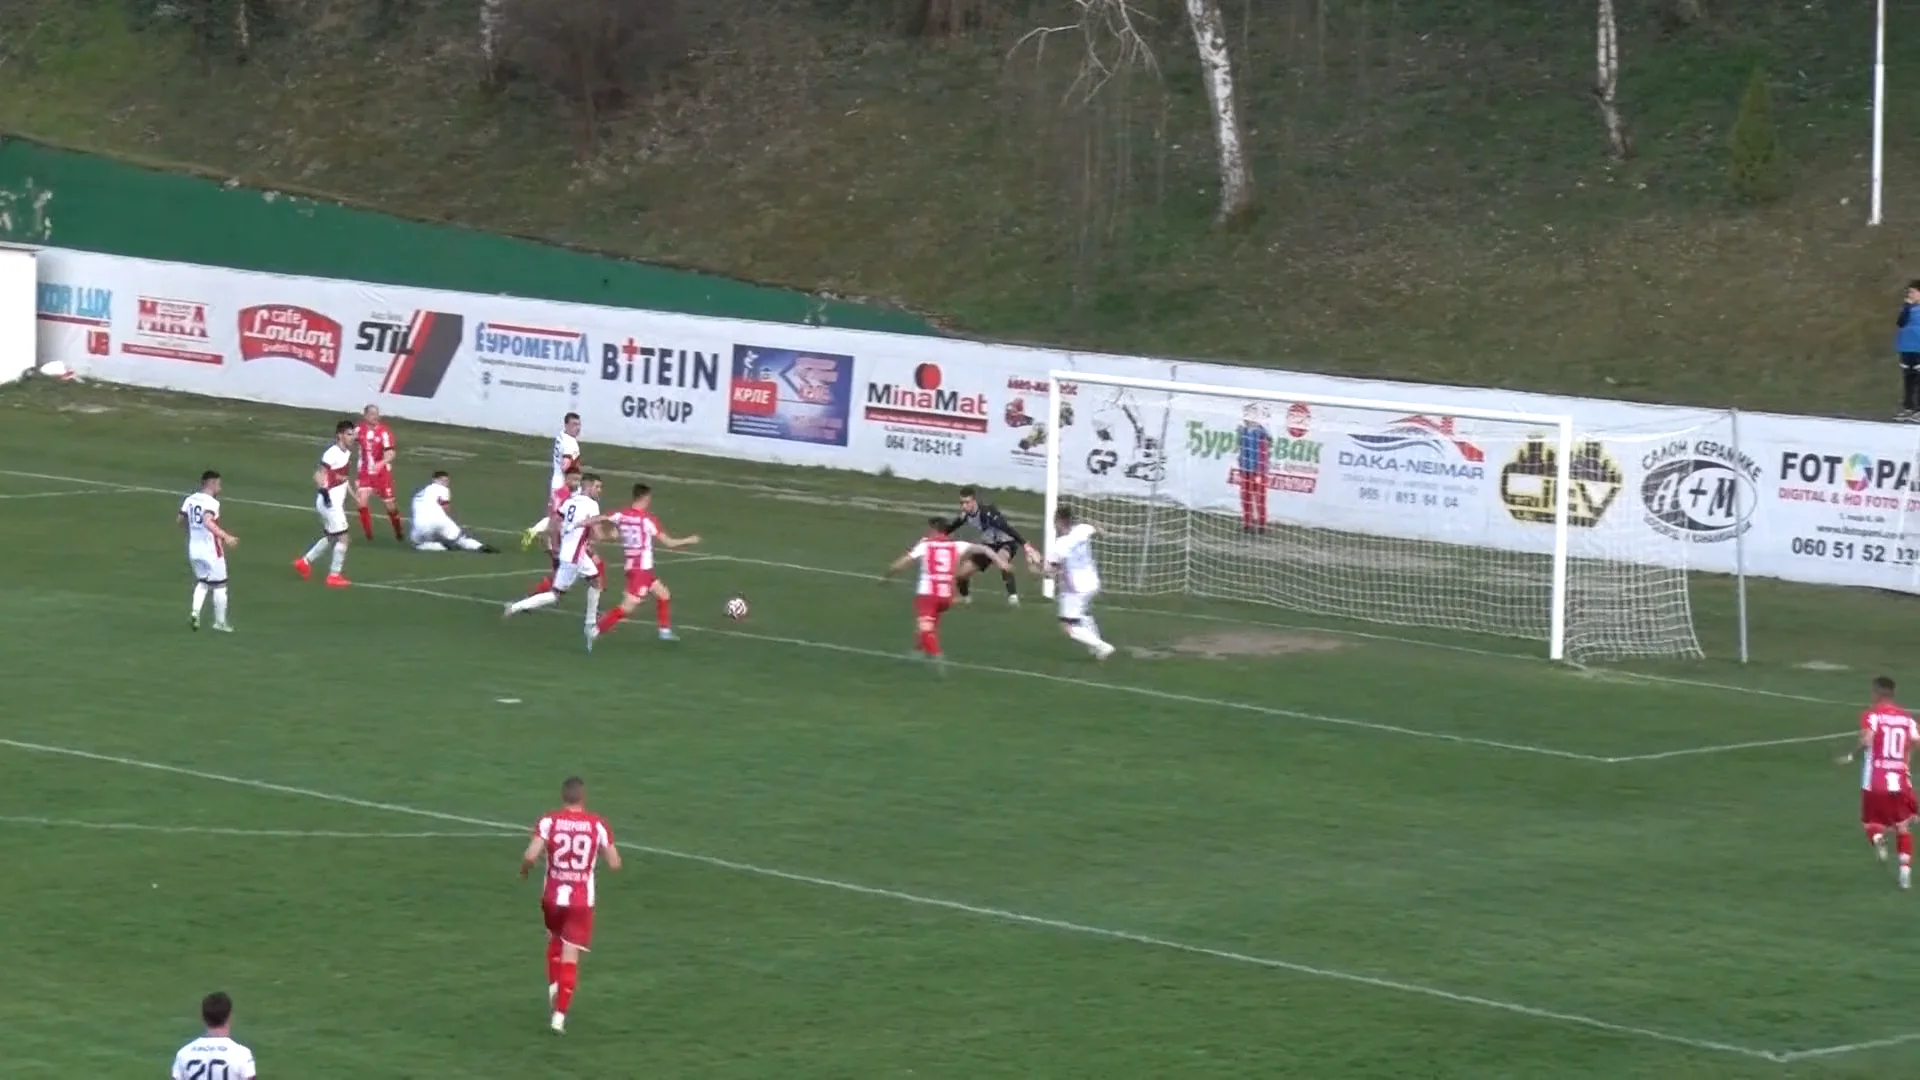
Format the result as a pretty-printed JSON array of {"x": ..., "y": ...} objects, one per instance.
[{"x": 1879, "y": 106}]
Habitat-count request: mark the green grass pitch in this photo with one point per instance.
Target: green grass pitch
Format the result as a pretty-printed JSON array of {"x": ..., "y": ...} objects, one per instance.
[{"x": 1412, "y": 855}]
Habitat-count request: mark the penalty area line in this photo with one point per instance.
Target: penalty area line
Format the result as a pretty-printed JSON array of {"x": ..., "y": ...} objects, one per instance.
[
  {"x": 1725, "y": 748},
  {"x": 1139, "y": 691},
  {"x": 979, "y": 911},
  {"x": 1791, "y": 1056}
]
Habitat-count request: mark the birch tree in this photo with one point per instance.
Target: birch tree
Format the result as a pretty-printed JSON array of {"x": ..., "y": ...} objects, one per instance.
[
  {"x": 493, "y": 19},
  {"x": 1229, "y": 134},
  {"x": 1606, "y": 82}
]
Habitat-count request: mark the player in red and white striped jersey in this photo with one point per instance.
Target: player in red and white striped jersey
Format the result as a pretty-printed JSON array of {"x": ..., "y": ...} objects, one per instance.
[
  {"x": 639, "y": 531},
  {"x": 373, "y": 441},
  {"x": 943, "y": 562},
  {"x": 1887, "y": 734},
  {"x": 569, "y": 483},
  {"x": 572, "y": 840}
]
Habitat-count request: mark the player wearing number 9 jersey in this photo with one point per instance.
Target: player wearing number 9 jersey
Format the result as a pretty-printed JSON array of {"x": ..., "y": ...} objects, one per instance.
[
  {"x": 572, "y": 840},
  {"x": 1887, "y": 734},
  {"x": 943, "y": 563},
  {"x": 214, "y": 1056}
]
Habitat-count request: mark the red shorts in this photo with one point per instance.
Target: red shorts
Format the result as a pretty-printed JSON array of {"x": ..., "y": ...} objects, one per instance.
[
  {"x": 572, "y": 924},
  {"x": 639, "y": 581},
  {"x": 380, "y": 483},
  {"x": 931, "y": 607},
  {"x": 1888, "y": 808}
]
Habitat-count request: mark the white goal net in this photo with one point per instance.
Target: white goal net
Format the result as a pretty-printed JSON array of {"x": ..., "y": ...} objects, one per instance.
[{"x": 1381, "y": 512}]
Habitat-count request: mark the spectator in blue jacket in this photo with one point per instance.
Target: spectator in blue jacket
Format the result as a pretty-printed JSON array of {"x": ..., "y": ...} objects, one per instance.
[{"x": 1906, "y": 341}]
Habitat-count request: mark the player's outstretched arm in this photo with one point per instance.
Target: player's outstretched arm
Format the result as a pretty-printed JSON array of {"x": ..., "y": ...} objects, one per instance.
[
  {"x": 613, "y": 856},
  {"x": 997, "y": 558},
  {"x": 532, "y": 854},
  {"x": 899, "y": 564},
  {"x": 675, "y": 541}
]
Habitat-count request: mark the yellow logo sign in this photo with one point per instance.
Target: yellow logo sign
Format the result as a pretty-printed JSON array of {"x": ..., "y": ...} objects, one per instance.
[{"x": 1527, "y": 483}]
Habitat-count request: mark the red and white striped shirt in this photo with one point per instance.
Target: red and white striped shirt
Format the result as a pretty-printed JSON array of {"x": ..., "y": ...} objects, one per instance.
[
  {"x": 939, "y": 559},
  {"x": 637, "y": 530},
  {"x": 1890, "y": 732},
  {"x": 374, "y": 441},
  {"x": 574, "y": 839}
]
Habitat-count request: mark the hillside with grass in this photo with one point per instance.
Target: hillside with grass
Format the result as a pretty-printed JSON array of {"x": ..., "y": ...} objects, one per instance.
[{"x": 1436, "y": 198}]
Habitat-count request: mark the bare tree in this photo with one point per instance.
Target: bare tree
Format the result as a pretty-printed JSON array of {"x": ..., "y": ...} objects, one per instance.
[
  {"x": 1229, "y": 135},
  {"x": 593, "y": 54},
  {"x": 493, "y": 21},
  {"x": 1606, "y": 82}
]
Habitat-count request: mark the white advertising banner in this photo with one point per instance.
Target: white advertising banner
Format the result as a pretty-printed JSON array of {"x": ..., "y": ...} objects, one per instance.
[
  {"x": 1816, "y": 500},
  {"x": 19, "y": 293}
]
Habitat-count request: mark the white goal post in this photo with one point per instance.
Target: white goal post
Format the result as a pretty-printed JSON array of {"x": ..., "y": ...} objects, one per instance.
[{"x": 1381, "y": 511}]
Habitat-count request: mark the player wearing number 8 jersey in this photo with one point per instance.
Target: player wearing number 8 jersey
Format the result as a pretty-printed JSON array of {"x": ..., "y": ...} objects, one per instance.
[
  {"x": 943, "y": 562},
  {"x": 1887, "y": 734},
  {"x": 572, "y": 841}
]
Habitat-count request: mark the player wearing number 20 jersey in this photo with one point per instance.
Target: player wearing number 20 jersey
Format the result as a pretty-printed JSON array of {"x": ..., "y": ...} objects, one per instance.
[
  {"x": 215, "y": 1055},
  {"x": 1887, "y": 735},
  {"x": 572, "y": 840}
]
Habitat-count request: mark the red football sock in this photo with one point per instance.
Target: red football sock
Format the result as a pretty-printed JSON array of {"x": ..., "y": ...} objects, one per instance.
[
  {"x": 1906, "y": 848},
  {"x": 545, "y": 584},
  {"x": 569, "y": 977},
  {"x": 398, "y": 532},
  {"x": 553, "y": 961},
  {"x": 366, "y": 521},
  {"x": 610, "y": 620},
  {"x": 930, "y": 643},
  {"x": 663, "y": 609}
]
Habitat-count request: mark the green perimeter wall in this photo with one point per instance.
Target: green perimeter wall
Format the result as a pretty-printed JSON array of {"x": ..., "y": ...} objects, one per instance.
[{"x": 64, "y": 199}]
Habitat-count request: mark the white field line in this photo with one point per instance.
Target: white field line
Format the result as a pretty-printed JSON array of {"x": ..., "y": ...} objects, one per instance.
[
  {"x": 1791, "y": 1056},
  {"x": 48, "y": 494},
  {"x": 291, "y": 834},
  {"x": 1694, "y": 751},
  {"x": 1141, "y": 691},
  {"x": 977, "y": 910},
  {"x": 518, "y": 571},
  {"x": 829, "y": 571}
]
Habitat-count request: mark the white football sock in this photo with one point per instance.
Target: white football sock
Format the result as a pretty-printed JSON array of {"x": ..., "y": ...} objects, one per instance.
[
  {"x": 1083, "y": 634},
  {"x": 339, "y": 554},
  {"x": 1093, "y": 628},
  {"x": 468, "y": 543},
  {"x": 593, "y": 604},
  {"x": 537, "y": 600},
  {"x": 430, "y": 545},
  {"x": 199, "y": 597},
  {"x": 318, "y": 547},
  {"x": 540, "y": 526},
  {"x": 219, "y": 604}
]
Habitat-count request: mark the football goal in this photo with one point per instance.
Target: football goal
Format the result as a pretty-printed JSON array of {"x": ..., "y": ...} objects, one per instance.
[{"x": 1390, "y": 512}]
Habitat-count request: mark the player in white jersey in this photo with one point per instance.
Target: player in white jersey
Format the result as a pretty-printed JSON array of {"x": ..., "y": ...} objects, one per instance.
[
  {"x": 577, "y": 525},
  {"x": 214, "y": 1056},
  {"x": 332, "y": 486},
  {"x": 433, "y": 526},
  {"x": 207, "y": 545},
  {"x": 1076, "y": 581},
  {"x": 566, "y": 455}
]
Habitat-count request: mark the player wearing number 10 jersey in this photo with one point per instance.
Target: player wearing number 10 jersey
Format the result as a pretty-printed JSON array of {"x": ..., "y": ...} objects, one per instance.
[
  {"x": 1887, "y": 734},
  {"x": 572, "y": 840}
]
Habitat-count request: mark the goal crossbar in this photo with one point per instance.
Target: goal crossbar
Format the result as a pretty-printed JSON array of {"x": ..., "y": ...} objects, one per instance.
[{"x": 1562, "y": 425}]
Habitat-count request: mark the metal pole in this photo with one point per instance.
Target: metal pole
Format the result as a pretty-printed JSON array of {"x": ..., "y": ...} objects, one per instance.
[
  {"x": 1879, "y": 106},
  {"x": 1740, "y": 543}
]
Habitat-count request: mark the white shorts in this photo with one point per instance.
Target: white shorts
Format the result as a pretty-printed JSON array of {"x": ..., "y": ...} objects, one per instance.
[
  {"x": 571, "y": 572},
  {"x": 208, "y": 567},
  {"x": 333, "y": 518},
  {"x": 1073, "y": 605},
  {"x": 440, "y": 530}
]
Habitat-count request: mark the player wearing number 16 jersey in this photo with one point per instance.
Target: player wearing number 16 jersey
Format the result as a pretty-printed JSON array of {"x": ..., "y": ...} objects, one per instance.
[
  {"x": 207, "y": 545},
  {"x": 572, "y": 840},
  {"x": 943, "y": 562},
  {"x": 1887, "y": 734}
]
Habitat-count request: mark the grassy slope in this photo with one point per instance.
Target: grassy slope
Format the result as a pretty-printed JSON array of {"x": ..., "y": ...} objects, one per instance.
[{"x": 1438, "y": 206}]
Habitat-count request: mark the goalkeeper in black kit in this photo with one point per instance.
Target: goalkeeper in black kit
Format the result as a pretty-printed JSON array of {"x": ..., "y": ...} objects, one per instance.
[{"x": 997, "y": 533}]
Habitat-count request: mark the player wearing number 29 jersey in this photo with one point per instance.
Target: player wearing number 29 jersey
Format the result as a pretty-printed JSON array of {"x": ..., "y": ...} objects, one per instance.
[
  {"x": 1887, "y": 735},
  {"x": 572, "y": 840}
]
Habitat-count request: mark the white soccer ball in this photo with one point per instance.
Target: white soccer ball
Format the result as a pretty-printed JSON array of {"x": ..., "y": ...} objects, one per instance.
[
  {"x": 737, "y": 608},
  {"x": 54, "y": 369}
]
